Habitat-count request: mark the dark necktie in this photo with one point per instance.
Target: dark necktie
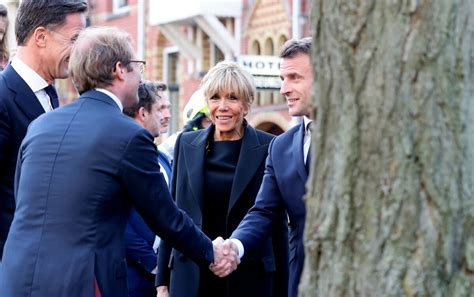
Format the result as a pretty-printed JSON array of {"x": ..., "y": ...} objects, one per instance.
[{"x": 53, "y": 96}]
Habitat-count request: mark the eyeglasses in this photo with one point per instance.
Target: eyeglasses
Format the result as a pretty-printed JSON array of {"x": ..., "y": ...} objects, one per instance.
[{"x": 141, "y": 64}]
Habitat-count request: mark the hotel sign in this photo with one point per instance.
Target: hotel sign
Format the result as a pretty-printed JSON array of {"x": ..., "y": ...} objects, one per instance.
[
  {"x": 265, "y": 69},
  {"x": 260, "y": 65}
]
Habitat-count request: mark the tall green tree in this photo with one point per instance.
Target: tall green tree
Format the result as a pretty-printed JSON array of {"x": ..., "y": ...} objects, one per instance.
[{"x": 390, "y": 203}]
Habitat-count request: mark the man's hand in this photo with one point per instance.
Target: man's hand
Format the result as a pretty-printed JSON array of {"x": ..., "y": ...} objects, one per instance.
[
  {"x": 226, "y": 257},
  {"x": 162, "y": 291}
]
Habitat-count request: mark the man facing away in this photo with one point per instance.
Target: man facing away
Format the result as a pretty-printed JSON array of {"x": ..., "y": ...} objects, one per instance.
[
  {"x": 152, "y": 111},
  {"x": 45, "y": 31},
  {"x": 283, "y": 185},
  {"x": 80, "y": 170}
]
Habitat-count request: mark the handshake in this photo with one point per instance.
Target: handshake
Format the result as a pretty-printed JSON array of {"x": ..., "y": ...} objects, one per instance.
[{"x": 226, "y": 257}]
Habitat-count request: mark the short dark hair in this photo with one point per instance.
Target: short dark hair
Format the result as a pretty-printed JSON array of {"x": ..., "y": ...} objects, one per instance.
[
  {"x": 3, "y": 10},
  {"x": 295, "y": 46},
  {"x": 36, "y": 13},
  {"x": 147, "y": 96},
  {"x": 160, "y": 86}
]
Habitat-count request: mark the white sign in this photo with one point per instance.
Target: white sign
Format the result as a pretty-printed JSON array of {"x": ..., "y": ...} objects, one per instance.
[
  {"x": 267, "y": 82},
  {"x": 260, "y": 65}
]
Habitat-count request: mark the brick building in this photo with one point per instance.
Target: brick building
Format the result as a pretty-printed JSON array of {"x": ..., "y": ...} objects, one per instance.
[
  {"x": 192, "y": 40},
  {"x": 182, "y": 39}
]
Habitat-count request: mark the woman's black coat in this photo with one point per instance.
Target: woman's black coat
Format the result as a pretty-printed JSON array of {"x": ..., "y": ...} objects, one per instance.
[{"x": 266, "y": 275}]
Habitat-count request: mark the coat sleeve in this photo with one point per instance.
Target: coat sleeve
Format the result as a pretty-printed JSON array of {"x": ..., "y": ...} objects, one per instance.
[
  {"x": 258, "y": 224},
  {"x": 164, "y": 252},
  {"x": 140, "y": 173}
]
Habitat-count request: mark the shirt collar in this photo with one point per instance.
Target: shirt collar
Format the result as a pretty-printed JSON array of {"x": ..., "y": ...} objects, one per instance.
[
  {"x": 31, "y": 78},
  {"x": 306, "y": 121},
  {"x": 111, "y": 95}
]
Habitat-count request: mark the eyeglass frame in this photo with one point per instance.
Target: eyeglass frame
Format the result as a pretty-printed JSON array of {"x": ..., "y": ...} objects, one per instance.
[{"x": 141, "y": 62}]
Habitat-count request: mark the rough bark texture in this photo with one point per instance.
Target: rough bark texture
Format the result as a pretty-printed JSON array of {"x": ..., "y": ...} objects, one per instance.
[{"x": 390, "y": 204}]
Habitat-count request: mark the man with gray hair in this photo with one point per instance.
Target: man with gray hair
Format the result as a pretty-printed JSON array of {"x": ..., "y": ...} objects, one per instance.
[
  {"x": 45, "y": 31},
  {"x": 81, "y": 168}
]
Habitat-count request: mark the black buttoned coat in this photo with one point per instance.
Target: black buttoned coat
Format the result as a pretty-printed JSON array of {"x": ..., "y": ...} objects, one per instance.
[{"x": 265, "y": 274}]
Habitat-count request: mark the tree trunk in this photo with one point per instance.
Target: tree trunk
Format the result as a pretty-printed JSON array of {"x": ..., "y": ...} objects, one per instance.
[{"x": 390, "y": 203}]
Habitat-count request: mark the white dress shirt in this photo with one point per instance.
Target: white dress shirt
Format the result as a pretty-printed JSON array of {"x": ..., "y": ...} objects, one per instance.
[
  {"x": 34, "y": 81},
  {"x": 307, "y": 137},
  {"x": 111, "y": 95}
]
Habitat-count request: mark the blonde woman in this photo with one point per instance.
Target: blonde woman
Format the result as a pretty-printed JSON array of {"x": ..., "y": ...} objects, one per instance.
[{"x": 217, "y": 173}]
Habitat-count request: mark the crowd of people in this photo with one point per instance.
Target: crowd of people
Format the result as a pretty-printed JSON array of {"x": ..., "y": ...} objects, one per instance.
[{"x": 90, "y": 206}]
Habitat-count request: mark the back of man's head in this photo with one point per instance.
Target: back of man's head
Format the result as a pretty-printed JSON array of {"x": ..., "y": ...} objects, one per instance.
[
  {"x": 296, "y": 46},
  {"x": 43, "y": 13},
  {"x": 95, "y": 55}
]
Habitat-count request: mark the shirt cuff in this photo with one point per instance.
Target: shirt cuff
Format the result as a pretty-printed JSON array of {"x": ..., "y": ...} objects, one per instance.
[
  {"x": 239, "y": 245},
  {"x": 156, "y": 244}
]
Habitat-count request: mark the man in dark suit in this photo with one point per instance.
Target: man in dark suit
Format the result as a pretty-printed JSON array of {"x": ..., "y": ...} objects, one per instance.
[
  {"x": 283, "y": 185},
  {"x": 45, "y": 31},
  {"x": 152, "y": 111},
  {"x": 80, "y": 170}
]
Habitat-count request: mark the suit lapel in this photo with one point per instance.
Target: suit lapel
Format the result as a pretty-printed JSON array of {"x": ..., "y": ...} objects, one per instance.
[
  {"x": 194, "y": 153},
  {"x": 24, "y": 98},
  {"x": 297, "y": 149},
  {"x": 250, "y": 157}
]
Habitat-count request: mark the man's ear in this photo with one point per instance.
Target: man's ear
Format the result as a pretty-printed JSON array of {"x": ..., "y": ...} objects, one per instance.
[
  {"x": 119, "y": 70},
  {"x": 40, "y": 36},
  {"x": 141, "y": 114}
]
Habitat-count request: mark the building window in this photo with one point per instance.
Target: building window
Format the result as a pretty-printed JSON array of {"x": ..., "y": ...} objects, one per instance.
[
  {"x": 119, "y": 6},
  {"x": 281, "y": 41},
  {"x": 170, "y": 77},
  {"x": 268, "y": 50},
  {"x": 255, "y": 49}
]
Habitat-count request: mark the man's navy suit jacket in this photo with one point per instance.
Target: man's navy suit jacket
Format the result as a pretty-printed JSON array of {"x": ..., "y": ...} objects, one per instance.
[
  {"x": 283, "y": 188},
  {"x": 80, "y": 169},
  {"x": 18, "y": 107}
]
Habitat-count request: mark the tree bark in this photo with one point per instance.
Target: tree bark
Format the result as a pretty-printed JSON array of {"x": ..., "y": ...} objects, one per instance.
[{"x": 390, "y": 202}]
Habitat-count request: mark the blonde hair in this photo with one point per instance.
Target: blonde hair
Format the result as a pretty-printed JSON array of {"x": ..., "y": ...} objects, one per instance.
[
  {"x": 95, "y": 54},
  {"x": 228, "y": 76}
]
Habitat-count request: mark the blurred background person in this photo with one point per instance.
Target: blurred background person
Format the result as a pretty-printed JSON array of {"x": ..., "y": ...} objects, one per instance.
[
  {"x": 196, "y": 113},
  {"x": 152, "y": 111},
  {"x": 165, "y": 109},
  {"x": 195, "y": 117},
  {"x": 4, "y": 51},
  {"x": 216, "y": 176}
]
